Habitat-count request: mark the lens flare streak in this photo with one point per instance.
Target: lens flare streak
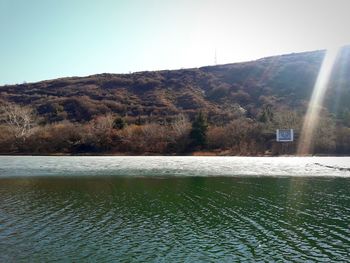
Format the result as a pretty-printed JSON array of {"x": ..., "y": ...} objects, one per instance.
[{"x": 315, "y": 104}]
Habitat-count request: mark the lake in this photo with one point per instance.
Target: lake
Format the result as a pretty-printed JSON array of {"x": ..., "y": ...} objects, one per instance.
[{"x": 174, "y": 209}]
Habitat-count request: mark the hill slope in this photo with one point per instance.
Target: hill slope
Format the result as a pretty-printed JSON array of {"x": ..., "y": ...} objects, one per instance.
[
  {"x": 223, "y": 91},
  {"x": 151, "y": 112}
]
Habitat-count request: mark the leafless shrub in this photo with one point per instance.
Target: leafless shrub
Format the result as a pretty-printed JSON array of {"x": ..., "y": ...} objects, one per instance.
[{"x": 20, "y": 120}]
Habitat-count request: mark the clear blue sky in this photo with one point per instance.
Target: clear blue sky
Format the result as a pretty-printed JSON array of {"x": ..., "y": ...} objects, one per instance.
[{"x": 45, "y": 39}]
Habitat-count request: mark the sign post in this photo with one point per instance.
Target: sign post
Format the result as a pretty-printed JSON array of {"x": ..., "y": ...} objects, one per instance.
[{"x": 285, "y": 135}]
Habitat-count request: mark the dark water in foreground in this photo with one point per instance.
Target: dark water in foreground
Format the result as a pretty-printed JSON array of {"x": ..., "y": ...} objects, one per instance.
[{"x": 174, "y": 219}]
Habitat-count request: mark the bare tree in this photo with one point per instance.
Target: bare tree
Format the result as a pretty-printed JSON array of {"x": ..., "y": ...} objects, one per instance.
[
  {"x": 19, "y": 119},
  {"x": 180, "y": 129},
  {"x": 100, "y": 130},
  {"x": 181, "y": 126},
  {"x": 285, "y": 119},
  {"x": 154, "y": 137}
]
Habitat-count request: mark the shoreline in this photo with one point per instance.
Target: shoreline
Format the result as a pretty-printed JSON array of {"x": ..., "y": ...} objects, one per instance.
[{"x": 192, "y": 154}]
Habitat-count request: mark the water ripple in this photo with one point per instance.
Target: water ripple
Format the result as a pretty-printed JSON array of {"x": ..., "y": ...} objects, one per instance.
[{"x": 190, "y": 219}]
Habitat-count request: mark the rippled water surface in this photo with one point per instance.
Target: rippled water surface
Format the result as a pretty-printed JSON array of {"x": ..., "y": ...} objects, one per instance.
[{"x": 162, "y": 209}]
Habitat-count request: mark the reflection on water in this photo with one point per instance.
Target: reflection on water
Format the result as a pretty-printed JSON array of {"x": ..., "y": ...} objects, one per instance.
[{"x": 174, "y": 219}]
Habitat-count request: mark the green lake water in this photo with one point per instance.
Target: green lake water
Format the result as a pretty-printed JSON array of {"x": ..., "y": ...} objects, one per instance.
[{"x": 174, "y": 219}]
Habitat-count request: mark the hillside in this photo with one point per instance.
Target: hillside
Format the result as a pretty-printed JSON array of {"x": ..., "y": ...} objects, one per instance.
[
  {"x": 224, "y": 92},
  {"x": 282, "y": 81}
]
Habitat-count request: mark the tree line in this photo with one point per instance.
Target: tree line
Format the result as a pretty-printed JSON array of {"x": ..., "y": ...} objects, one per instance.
[{"x": 22, "y": 132}]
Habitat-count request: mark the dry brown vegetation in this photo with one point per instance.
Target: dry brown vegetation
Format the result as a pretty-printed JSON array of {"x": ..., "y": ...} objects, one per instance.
[
  {"x": 244, "y": 104},
  {"x": 104, "y": 134}
]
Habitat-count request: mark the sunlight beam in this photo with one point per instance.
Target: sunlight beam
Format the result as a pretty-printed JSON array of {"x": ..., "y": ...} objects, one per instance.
[{"x": 315, "y": 104}]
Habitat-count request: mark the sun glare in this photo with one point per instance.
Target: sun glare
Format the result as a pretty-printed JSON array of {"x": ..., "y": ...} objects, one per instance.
[{"x": 315, "y": 104}]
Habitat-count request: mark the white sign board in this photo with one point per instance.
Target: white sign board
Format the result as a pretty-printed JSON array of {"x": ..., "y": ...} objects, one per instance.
[{"x": 285, "y": 135}]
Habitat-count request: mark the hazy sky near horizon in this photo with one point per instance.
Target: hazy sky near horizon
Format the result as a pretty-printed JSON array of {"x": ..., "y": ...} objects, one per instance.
[{"x": 45, "y": 39}]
